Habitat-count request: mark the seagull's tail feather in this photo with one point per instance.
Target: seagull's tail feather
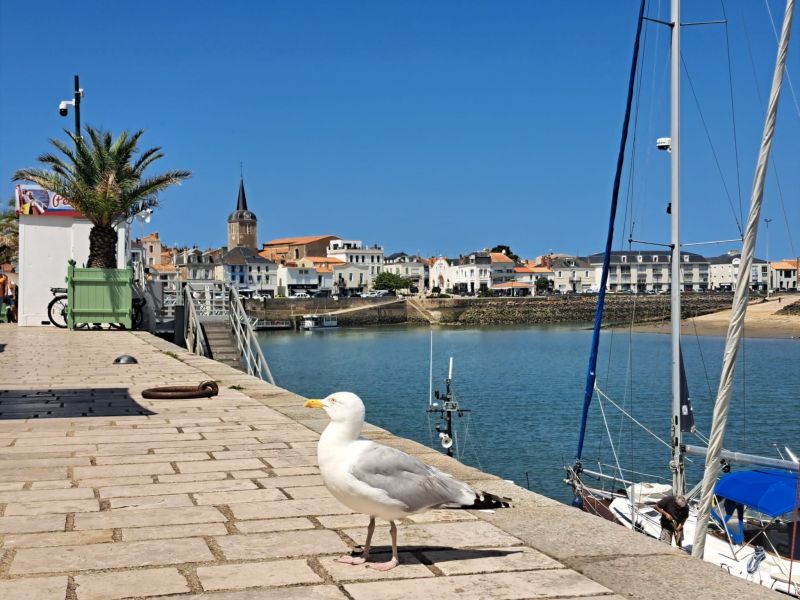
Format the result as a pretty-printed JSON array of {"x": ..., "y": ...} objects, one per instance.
[{"x": 487, "y": 501}]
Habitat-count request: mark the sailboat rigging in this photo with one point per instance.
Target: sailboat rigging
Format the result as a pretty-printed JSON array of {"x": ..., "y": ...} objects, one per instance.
[{"x": 729, "y": 544}]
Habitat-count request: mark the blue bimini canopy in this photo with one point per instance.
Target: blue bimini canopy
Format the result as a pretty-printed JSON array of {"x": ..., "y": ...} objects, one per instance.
[{"x": 770, "y": 492}]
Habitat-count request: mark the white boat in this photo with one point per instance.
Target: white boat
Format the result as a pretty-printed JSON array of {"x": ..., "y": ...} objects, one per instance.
[
  {"x": 746, "y": 521},
  {"x": 315, "y": 322}
]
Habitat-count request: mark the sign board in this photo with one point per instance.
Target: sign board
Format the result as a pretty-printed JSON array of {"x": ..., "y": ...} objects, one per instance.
[{"x": 34, "y": 200}]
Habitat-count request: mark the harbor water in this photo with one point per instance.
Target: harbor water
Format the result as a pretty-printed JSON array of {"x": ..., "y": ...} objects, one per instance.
[{"x": 524, "y": 387}]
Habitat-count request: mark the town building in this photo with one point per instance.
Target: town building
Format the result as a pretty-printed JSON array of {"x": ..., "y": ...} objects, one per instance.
[
  {"x": 166, "y": 274},
  {"x": 572, "y": 275},
  {"x": 784, "y": 275},
  {"x": 502, "y": 268},
  {"x": 293, "y": 278},
  {"x": 723, "y": 272},
  {"x": 249, "y": 272},
  {"x": 196, "y": 266},
  {"x": 355, "y": 252},
  {"x": 413, "y": 268},
  {"x": 295, "y": 248},
  {"x": 151, "y": 246},
  {"x": 472, "y": 274},
  {"x": 639, "y": 271},
  {"x": 242, "y": 224},
  {"x": 440, "y": 274}
]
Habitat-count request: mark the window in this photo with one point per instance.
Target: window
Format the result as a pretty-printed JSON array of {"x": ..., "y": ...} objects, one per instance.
[
  {"x": 623, "y": 259},
  {"x": 558, "y": 274},
  {"x": 655, "y": 258},
  {"x": 639, "y": 258},
  {"x": 685, "y": 258}
]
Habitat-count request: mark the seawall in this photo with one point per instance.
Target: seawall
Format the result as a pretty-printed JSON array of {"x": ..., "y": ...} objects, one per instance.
[{"x": 542, "y": 310}]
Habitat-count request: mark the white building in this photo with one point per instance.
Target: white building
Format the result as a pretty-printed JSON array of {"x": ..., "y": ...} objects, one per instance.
[
  {"x": 573, "y": 274},
  {"x": 640, "y": 271},
  {"x": 293, "y": 279},
  {"x": 723, "y": 272},
  {"x": 354, "y": 252},
  {"x": 250, "y": 273},
  {"x": 51, "y": 233},
  {"x": 784, "y": 275},
  {"x": 472, "y": 274},
  {"x": 502, "y": 268},
  {"x": 410, "y": 267},
  {"x": 440, "y": 274}
]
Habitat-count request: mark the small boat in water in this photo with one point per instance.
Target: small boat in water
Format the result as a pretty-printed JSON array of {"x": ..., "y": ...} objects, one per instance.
[{"x": 314, "y": 322}]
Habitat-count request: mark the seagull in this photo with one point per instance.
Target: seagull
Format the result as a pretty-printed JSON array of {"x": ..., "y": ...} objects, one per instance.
[{"x": 380, "y": 481}]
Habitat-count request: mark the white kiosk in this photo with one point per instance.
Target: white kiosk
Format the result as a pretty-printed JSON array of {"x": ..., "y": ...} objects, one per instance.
[{"x": 51, "y": 233}]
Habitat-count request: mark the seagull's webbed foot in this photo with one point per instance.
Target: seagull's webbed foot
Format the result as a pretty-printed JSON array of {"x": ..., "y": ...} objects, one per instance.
[
  {"x": 383, "y": 566},
  {"x": 351, "y": 560}
]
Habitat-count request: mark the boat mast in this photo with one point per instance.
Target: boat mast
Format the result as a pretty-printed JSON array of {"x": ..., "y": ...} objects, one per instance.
[{"x": 676, "y": 464}]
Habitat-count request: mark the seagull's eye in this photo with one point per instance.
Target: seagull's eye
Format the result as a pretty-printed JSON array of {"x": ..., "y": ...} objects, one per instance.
[{"x": 333, "y": 400}]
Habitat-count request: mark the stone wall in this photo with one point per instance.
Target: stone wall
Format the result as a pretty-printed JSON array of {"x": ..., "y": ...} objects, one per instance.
[{"x": 620, "y": 309}]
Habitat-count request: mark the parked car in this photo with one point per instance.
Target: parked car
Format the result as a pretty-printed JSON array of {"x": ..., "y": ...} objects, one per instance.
[
  {"x": 368, "y": 295},
  {"x": 321, "y": 294},
  {"x": 299, "y": 295}
]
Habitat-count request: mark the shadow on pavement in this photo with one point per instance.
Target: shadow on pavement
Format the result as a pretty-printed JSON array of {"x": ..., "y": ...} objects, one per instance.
[{"x": 66, "y": 403}]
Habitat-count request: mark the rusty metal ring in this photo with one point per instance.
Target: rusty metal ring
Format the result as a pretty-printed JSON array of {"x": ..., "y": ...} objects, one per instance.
[{"x": 206, "y": 389}]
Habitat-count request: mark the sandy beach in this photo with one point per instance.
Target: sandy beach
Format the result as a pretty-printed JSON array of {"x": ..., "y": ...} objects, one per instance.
[{"x": 761, "y": 321}]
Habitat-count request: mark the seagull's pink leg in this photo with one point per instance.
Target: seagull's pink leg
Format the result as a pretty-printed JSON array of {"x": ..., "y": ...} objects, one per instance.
[
  {"x": 386, "y": 566},
  {"x": 360, "y": 560}
]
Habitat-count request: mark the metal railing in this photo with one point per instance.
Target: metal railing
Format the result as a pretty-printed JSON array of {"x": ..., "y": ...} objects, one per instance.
[
  {"x": 249, "y": 349},
  {"x": 193, "y": 333}
]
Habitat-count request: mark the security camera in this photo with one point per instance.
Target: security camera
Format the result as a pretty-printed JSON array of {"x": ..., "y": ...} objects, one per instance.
[
  {"x": 664, "y": 143},
  {"x": 63, "y": 108}
]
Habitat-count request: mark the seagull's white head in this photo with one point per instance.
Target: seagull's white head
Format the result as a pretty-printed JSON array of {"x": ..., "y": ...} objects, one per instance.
[{"x": 342, "y": 407}]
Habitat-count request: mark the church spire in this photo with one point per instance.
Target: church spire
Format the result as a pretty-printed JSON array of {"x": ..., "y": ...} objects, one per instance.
[{"x": 242, "y": 202}]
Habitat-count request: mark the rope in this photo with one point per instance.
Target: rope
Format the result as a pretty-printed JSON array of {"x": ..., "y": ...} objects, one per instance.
[
  {"x": 759, "y": 554},
  {"x": 608, "y": 432}
]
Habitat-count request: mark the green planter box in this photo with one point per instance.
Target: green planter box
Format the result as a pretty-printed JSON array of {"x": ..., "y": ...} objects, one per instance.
[{"x": 99, "y": 296}]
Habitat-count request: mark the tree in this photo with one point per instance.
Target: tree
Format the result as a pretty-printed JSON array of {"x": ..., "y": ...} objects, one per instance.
[
  {"x": 503, "y": 249},
  {"x": 542, "y": 283},
  {"x": 9, "y": 232},
  {"x": 104, "y": 179},
  {"x": 390, "y": 281}
]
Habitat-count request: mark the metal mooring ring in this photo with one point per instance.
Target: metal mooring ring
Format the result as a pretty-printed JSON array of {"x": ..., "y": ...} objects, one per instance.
[{"x": 206, "y": 389}]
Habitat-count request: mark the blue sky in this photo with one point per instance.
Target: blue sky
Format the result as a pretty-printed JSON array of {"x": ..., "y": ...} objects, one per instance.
[{"x": 432, "y": 127}]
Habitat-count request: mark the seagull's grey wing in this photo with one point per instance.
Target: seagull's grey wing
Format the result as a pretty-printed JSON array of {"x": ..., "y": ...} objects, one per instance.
[{"x": 408, "y": 480}]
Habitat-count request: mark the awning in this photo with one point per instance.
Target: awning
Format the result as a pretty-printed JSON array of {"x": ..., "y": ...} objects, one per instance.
[{"x": 768, "y": 491}]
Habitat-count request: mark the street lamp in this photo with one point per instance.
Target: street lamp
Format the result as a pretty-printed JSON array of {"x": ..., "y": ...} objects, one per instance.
[
  {"x": 63, "y": 106},
  {"x": 769, "y": 267}
]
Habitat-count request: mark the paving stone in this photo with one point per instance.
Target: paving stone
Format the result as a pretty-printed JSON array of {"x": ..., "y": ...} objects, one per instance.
[
  {"x": 220, "y": 465},
  {"x": 292, "y": 471},
  {"x": 173, "y": 531},
  {"x": 186, "y": 477},
  {"x": 487, "y": 560},
  {"x": 31, "y": 463},
  {"x": 59, "y": 538},
  {"x": 315, "y": 492},
  {"x": 281, "y": 544},
  {"x": 498, "y": 586},
  {"x": 34, "y": 588},
  {"x": 122, "y": 470},
  {"x": 151, "y": 458},
  {"x": 306, "y": 592},
  {"x": 209, "y": 498},
  {"x": 146, "y": 518},
  {"x": 46, "y": 494},
  {"x": 32, "y": 524},
  {"x": 51, "y": 506},
  {"x": 33, "y": 474},
  {"x": 253, "y": 474},
  {"x": 116, "y": 481},
  {"x": 109, "y": 556},
  {"x": 158, "y": 489},
  {"x": 442, "y": 515},
  {"x": 455, "y": 535},
  {"x": 288, "y": 508},
  {"x": 275, "y": 573},
  {"x": 12, "y": 486},
  {"x": 168, "y": 501},
  {"x": 345, "y": 521},
  {"x": 267, "y": 525},
  {"x": 299, "y": 481},
  {"x": 409, "y": 568},
  {"x": 127, "y": 584}
]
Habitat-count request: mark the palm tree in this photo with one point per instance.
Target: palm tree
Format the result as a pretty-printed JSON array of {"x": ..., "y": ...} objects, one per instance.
[
  {"x": 9, "y": 232},
  {"x": 104, "y": 180}
]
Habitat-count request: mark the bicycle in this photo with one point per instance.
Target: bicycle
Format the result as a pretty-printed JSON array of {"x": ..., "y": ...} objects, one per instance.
[{"x": 57, "y": 311}]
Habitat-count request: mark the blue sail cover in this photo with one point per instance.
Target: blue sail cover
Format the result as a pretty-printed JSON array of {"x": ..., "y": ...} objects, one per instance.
[{"x": 768, "y": 491}]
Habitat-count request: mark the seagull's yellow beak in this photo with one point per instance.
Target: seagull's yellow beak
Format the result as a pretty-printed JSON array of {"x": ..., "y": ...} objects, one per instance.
[{"x": 314, "y": 404}]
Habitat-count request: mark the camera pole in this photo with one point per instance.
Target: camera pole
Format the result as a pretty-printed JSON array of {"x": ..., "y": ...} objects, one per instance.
[{"x": 77, "y": 100}]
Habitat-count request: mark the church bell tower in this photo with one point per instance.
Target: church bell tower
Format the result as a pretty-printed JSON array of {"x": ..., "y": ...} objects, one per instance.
[{"x": 242, "y": 224}]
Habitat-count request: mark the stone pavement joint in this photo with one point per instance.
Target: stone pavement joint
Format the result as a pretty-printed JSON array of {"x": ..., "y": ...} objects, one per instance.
[{"x": 221, "y": 498}]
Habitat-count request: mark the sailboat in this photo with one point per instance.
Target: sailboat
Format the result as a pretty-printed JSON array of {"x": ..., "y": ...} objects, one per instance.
[{"x": 746, "y": 521}]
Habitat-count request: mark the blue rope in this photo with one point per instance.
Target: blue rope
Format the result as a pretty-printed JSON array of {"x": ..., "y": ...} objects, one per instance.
[{"x": 601, "y": 298}]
